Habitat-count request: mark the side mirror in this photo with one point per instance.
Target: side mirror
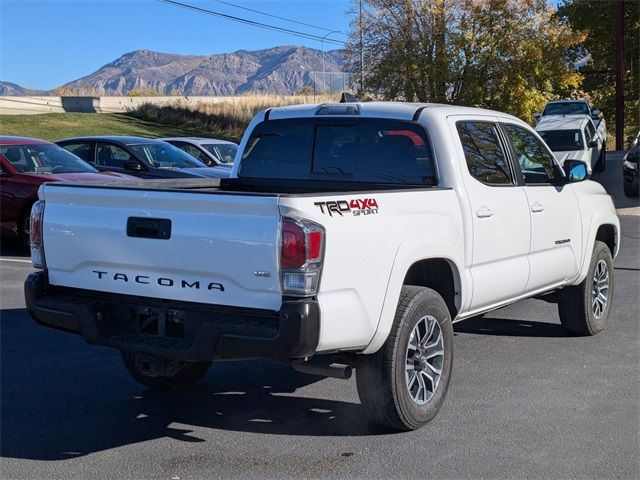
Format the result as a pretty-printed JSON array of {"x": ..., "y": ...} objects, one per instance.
[
  {"x": 537, "y": 115},
  {"x": 4, "y": 174},
  {"x": 576, "y": 171},
  {"x": 593, "y": 143},
  {"x": 596, "y": 114},
  {"x": 132, "y": 166}
]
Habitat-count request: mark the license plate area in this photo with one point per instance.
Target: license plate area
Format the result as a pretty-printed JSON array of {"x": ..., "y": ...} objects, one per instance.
[{"x": 161, "y": 323}]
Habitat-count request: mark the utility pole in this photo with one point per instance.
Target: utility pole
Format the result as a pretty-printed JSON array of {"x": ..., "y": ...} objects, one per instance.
[
  {"x": 324, "y": 78},
  {"x": 619, "y": 47},
  {"x": 361, "y": 51}
]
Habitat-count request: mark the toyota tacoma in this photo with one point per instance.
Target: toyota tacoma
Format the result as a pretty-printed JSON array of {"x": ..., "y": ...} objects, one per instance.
[{"x": 349, "y": 236}]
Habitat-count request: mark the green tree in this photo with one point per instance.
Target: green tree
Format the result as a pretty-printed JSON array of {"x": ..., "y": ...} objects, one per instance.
[
  {"x": 511, "y": 55},
  {"x": 595, "y": 18}
]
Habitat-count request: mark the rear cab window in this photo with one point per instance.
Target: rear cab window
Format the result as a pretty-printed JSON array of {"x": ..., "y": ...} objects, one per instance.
[{"x": 352, "y": 150}]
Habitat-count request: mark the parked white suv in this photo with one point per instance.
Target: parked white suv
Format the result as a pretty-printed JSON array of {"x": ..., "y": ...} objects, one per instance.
[
  {"x": 574, "y": 137},
  {"x": 350, "y": 235}
]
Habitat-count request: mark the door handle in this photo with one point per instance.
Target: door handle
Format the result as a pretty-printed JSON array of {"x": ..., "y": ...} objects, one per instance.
[
  {"x": 484, "y": 212},
  {"x": 537, "y": 207}
]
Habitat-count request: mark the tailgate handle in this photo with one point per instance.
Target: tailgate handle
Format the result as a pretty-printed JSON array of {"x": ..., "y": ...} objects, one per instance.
[{"x": 145, "y": 227}]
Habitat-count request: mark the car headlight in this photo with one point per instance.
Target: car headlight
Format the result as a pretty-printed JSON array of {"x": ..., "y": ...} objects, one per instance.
[{"x": 630, "y": 165}]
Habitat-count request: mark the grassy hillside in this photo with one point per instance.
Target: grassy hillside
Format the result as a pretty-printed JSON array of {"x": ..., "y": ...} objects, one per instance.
[{"x": 54, "y": 126}]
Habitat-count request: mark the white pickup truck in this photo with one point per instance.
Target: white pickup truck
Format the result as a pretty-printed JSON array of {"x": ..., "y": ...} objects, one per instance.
[{"x": 351, "y": 235}]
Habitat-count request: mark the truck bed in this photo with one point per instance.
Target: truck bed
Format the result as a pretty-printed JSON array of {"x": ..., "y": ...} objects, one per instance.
[{"x": 267, "y": 187}]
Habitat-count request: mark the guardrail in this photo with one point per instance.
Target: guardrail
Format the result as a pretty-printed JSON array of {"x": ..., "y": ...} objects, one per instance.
[{"x": 30, "y": 105}]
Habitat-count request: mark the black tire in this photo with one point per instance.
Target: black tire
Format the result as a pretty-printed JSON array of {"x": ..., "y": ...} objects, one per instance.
[
  {"x": 601, "y": 165},
  {"x": 631, "y": 190},
  {"x": 576, "y": 304},
  {"x": 185, "y": 376},
  {"x": 382, "y": 377}
]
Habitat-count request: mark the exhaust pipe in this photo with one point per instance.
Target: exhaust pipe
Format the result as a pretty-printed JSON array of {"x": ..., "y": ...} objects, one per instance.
[{"x": 334, "y": 370}]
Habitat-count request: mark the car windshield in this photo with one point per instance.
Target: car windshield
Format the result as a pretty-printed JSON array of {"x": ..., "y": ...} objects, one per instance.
[
  {"x": 563, "y": 140},
  {"x": 43, "y": 159},
  {"x": 566, "y": 108},
  {"x": 224, "y": 152},
  {"x": 166, "y": 156},
  {"x": 350, "y": 150}
]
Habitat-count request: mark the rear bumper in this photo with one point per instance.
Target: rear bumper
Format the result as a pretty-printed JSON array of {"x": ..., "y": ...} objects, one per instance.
[{"x": 178, "y": 330}]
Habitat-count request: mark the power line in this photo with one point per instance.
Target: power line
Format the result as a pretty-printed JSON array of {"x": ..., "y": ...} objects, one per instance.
[
  {"x": 246, "y": 21},
  {"x": 276, "y": 16}
]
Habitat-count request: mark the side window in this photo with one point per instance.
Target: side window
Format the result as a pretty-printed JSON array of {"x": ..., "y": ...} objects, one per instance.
[
  {"x": 111, "y": 156},
  {"x": 536, "y": 163},
  {"x": 591, "y": 132},
  {"x": 81, "y": 150},
  {"x": 194, "y": 152},
  {"x": 485, "y": 157}
]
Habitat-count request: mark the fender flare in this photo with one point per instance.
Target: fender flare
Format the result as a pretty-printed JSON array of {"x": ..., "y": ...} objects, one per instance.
[
  {"x": 597, "y": 221},
  {"x": 405, "y": 257}
]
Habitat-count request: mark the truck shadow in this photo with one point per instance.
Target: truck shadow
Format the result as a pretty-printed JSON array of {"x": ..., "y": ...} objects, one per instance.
[
  {"x": 509, "y": 327},
  {"x": 63, "y": 399}
]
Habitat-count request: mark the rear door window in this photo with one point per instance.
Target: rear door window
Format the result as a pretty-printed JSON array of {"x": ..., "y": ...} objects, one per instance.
[
  {"x": 81, "y": 150},
  {"x": 483, "y": 152},
  {"x": 358, "y": 150},
  {"x": 112, "y": 156},
  {"x": 193, "y": 151}
]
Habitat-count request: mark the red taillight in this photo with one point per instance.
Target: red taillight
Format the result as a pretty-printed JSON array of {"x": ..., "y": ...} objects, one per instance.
[
  {"x": 294, "y": 253},
  {"x": 35, "y": 234},
  {"x": 35, "y": 225},
  {"x": 301, "y": 257},
  {"x": 315, "y": 245}
]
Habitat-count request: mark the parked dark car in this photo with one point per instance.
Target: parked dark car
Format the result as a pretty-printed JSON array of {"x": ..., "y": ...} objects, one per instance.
[
  {"x": 26, "y": 164},
  {"x": 142, "y": 157},
  {"x": 211, "y": 151},
  {"x": 630, "y": 166}
]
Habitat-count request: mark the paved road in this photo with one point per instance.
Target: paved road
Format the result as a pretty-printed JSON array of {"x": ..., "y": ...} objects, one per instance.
[{"x": 525, "y": 401}]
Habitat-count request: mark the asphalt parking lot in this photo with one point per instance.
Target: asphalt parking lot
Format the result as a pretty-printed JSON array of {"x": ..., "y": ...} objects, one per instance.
[{"x": 525, "y": 401}]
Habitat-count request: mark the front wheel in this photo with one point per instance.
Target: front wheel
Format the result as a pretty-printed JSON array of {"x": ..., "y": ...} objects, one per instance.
[
  {"x": 584, "y": 308},
  {"x": 163, "y": 373},
  {"x": 404, "y": 384}
]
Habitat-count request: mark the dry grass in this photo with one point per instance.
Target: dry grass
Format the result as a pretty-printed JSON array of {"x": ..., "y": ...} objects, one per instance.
[{"x": 225, "y": 119}]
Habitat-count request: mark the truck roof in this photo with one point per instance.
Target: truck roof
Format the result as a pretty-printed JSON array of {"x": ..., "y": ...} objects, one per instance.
[
  {"x": 396, "y": 110},
  {"x": 561, "y": 122}
]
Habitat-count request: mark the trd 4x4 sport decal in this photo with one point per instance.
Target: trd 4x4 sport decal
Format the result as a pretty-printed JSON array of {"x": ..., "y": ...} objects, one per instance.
[{"x": 364, "y": 206}]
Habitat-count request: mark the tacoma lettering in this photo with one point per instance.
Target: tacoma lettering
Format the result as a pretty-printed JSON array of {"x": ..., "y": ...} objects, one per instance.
[{"x": 161, "y": 281}]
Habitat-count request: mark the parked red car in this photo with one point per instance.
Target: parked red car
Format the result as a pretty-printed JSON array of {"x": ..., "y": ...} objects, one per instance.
[{"x": 26, "y": 164}]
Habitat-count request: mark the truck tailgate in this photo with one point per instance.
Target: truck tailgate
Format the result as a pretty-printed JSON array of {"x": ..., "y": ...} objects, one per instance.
[{"x": 222, "y": 248}]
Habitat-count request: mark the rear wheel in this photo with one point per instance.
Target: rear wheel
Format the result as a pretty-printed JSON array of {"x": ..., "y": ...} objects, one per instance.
[
  {"x": 584, "y": 308},
  {"x": 163, "y": 373},
  {"x": 404, "y": 384}
]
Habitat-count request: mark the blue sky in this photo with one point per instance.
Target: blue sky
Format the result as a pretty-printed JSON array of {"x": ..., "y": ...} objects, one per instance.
[{"x": 45, "y": 43}]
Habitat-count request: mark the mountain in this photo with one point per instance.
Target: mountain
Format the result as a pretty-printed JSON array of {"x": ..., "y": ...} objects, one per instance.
[
  {"x": 8, "y": 88},
  {"x": 279, "y": 70}
]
